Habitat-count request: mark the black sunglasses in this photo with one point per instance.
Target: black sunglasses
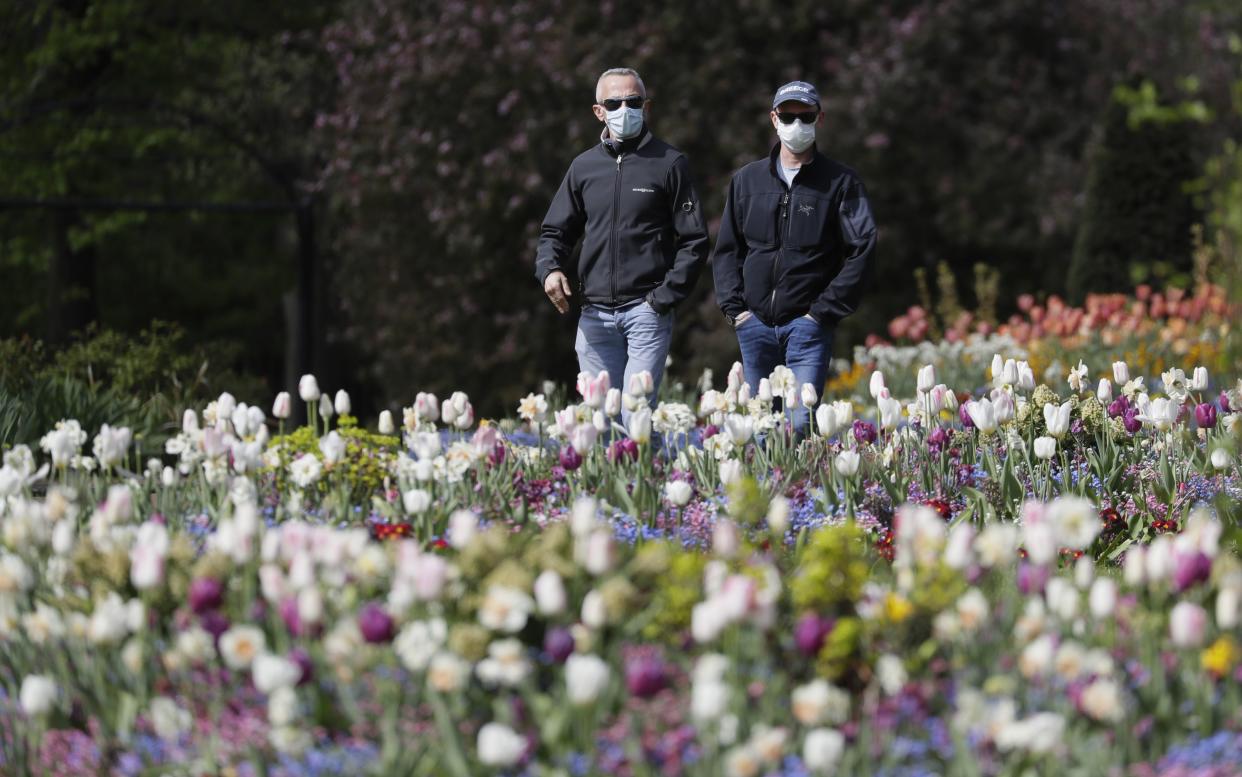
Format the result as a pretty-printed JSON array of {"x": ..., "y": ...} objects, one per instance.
[
  {"x": 806, "y": 118},
  {"x": 614, "y": 103}
]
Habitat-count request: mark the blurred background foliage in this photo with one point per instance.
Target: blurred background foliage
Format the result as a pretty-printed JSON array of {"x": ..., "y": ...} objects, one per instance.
[{"x": 150, "y": 154}]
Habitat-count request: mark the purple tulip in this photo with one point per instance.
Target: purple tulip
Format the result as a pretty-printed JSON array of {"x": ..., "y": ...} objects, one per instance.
[
  {"x": 810, "y": 632},
  {"x": 645, "y": 676},
  {"x": 497, "y": 455},
  {"x": 570, "y": 459},
  {"x": 375, "y": 624},
  {"x": 1224, "y": 403},
  {"x": 938, "y": 438},
  {"x": 1118, "y": 407},
  {"x": 864, "y": 431},
  {"x": 624, "y": 448},
  {"x": 1131, "y": 421},
  {"x": 289, "y": 614},
  {"x": 1032, "y": 578},
  {"x": 1192, "y": 569},
  {"x": 206, "y": 593},
  {"x": 558, "y": 643},
  {"x": 303, "y": 660},
  {"x": 214, "y": 623},
  {"x": 964, "y": 416},
  {"x": 710, "y": 431},
  {"x": 1205, "y": 415}
]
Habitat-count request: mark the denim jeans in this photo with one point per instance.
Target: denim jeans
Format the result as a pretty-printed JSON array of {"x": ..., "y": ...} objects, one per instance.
[
  {"x": 802, "y": 345},
  {"x": 625, "y": 342}
]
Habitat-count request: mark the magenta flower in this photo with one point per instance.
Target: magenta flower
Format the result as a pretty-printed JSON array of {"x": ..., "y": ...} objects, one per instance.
[
  {"x": 303, "y": 660},
  {"x": 810, "y": 632},
  {"x": 964, "y": 415},
  {"x": 1205, "y": 415},
  {"x": 1131, "y": 421},
  {"x": 1032, "y": 578},
  {"x": 864, "y": 431},
  {"x": 375, "y": 623},
  {"x": 570, "y": 459},
  {"x": 206, "y": 593},
  {"x": 1118, "y": 407},
  {"x": 558, "y": 643},
  {"x": 1192, "y": 569},
  {"x": 624, "y": 448},
  {"x": 645, "y": 676},
  {"x": 938, "y": 438},
  {"x": 1224, "y": 403}
]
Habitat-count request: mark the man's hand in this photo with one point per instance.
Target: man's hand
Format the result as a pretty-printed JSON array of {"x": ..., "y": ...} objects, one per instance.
[{"x": 556, "y": 286}]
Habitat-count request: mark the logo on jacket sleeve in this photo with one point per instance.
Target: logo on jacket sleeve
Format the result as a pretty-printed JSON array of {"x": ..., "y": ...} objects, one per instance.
[{"x": 644, "y": 190}]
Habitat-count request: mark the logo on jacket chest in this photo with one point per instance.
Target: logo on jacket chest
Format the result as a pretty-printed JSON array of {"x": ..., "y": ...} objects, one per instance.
[{"x": 806, "y": 209}]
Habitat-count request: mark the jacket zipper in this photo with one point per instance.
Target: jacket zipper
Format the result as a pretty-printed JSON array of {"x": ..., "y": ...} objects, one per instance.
[
  {"x": 616, "y": 206},
  {"x": 780, "y": 247}
]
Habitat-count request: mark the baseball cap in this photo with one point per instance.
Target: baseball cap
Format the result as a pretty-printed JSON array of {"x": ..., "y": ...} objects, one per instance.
[{"x": 796, "y": 90}]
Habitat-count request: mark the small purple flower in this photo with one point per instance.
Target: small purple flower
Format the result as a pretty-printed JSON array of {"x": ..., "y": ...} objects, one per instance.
[
  {"x": 1131, "y": 421},
  {"x": 1118, "y": 407},
  {"x": 214, "y": 623},
  {"x": 1224, "y": 403},
  {"x": 375, "y": 623},
  {"x": 206, "y": 593},
  {"x": 558, "y": 643},
  {"x": 810, "y": 632},
  {"x": 645, "y": 676},
  {"x": 864, "y": 431},
  {"x": 303, "y": 660},
  {"x": 1032, "y": 578},
  {"x": 1077, "y": 426},
  {"x": 1192, "y": 568},
  {"x": 570, "y": 459},
  {"x": 1205, "y": 415},
  {"x": 964, "y": 416},
  {"x": 938, "y": 438},
  {"x": 289, "y": 614},
  {"x": 497, "y": 455},
  {"x": 710, "y": 431}
]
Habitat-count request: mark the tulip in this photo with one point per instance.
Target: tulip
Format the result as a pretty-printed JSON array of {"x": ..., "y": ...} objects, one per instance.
[
  {"x": 1102, "y": 600},
  {"x": 1026, "y": 376},
  {"x": 1224, "y": 402},
  {"x": 641, "y": 384},
  {"x": 982, "y": 414},
  {"x": 1220, "y": 458},
  {"x": 375, "y": 623},
  {"x": 645, "y": 676},
  {"x": 678, "y": 492},
  {"x": 550, "y": 596},
  {"x": 1227, "y": 608},
  {"x": 1009, "y": 374},
  {"x": 640, "y": 426},
  {"x": 582, "y": 439},
  {"x": 890, "y": 412},
  {"x": 1199, "y": 381},
  {"x": 1002, "y": 403},
  {"x": 189, "y": 421},
  {"x": 624, "y": 448},
  {"x": 558, "y": 643},
  {"x": 1057, "y": 418},
  {"x": 1161, "y": 413},
  {"x": 730, "y": 471},
  {"x": 386, "y": 425},
  {"x": 570, "y": 459},
  {"x": 303, "y": 661},
  {"x": 205, "y": 593},
  {"x": 612, "y": 403},
  {"x": 938, "y": 438},
  {"x": 308, "y": 388},
  {"x": 37, "y": 695},
  {"x": 1205, "y": 415},
  {"x": 847, "y": 463},
  {"x": 864, "y": 432},
  {"x": 822, "y": 750},
  {"x": 586, "y": 678},
  {"x": 810, "y": 632},
  {"x": 809, "y": 395},
  {"x": 877, "y": 384},
  {"x": 1131, "y": 421},
  {"x": 1192, "y": 569},
  {"x": 342, "y": 403},
  {"x": 1187, "y": 625},
  {"x": 1032, "y": 578},
  {"x": 826, "y": 420},
  {"x": 325, "y": 407},
  {"x": 1104, "y": 392},
  {"x": 926, "y": 378},
  {"x": 1118, "y": 407},
  {"x": 1045, "y": 447},
  {"x": 963, "y": 414},
  {"x": 500, "y": 746},
  {"x": 1121, "y": 373}
]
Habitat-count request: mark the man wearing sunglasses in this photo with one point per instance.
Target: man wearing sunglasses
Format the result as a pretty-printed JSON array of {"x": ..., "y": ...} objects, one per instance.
[
  {"x": 630, "y": 199},
  {"x": 794, "y": 249}
]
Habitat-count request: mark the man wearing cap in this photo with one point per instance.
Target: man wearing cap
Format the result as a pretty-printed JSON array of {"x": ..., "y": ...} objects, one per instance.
[
  {"x": 630, "y": 199},
  {"x": 794, "y": 249}
]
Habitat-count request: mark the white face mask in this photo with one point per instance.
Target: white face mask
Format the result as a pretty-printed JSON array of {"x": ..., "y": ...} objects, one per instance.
[
  {"x": 625, "y": 122},
  {"x": 797, "y": 136}
]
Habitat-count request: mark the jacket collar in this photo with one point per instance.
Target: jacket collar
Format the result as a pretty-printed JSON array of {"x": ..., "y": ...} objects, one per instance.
[
  {"x": 615, "y": 147},
  {"x": 774, "y": 157}
]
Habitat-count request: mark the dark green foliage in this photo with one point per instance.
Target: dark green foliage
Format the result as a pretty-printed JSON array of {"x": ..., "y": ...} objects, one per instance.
[
  {"x": 1136, "y": 219},
  {"x": 142, "y": 382}
]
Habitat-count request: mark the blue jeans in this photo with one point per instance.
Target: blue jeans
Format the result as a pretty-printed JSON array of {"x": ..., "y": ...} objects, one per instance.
[
  {"x": 802, "y": 345},
  {"x": 625, "y": 342}
]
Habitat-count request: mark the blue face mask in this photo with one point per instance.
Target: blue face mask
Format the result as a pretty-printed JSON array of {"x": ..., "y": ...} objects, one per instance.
[{"x": 625, "y": 122}]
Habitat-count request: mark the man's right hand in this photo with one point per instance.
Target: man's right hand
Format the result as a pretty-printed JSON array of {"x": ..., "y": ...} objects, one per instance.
[{"x": 556, "y": 286}]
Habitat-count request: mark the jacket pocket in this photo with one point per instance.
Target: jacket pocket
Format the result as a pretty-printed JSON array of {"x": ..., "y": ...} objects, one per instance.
[{"x": 760, "y": 214}]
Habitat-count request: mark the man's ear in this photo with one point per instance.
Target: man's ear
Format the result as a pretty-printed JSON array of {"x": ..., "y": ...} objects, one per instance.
[
  {"x": 819, "y": 120},
  {"x": 598, "y": 110}
]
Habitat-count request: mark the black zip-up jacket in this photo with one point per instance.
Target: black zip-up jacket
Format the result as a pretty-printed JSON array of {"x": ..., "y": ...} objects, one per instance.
[
  {"x": 633, "y": 204},
  {"x": 784, "y": 251}
]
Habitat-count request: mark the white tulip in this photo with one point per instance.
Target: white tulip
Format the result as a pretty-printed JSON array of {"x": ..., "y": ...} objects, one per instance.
[
  {"x": 1102, "y": 600},
  {"x": 678, "y": 492},
  {"x": 730, "y": 471},
  {"x": 847, "y": 463},
  {"x": 282, "y": 406},
  {"x": 1057, "y": 418},
  {"x": 550, "y": 596},
  {"x": 586, "y": 678},
  {"x": 983, "y": 414},
  {"x": 1220, "y": 458},
  {"x": 809, "y": 395},
  {"x": 38, "y": 695},
  {"x": 640, "y": 426},
  {"x": 500, "y": 746},
  {"x": 890, "y": 412},
  {"x": 1045, "y": 447},
  {"x": 1121, "y": 373},
  {"x": 826, "y": 420},
  {"x": 877, "y": 384},
  {"x": 270, "y": 672},
  {"x": 463, "y": 525},
  {"x": 386, "y": 425},
  {"x": 822, "y": 750},
  {"x": 325, "y": 407},
  {"x": 416, "y": 501},
  {"x": 1104, "y": 392},
  {"x": 1200, "y": 380},
  {"x": 308, "y": 388},
  {"x": 926, "y": 378}
]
